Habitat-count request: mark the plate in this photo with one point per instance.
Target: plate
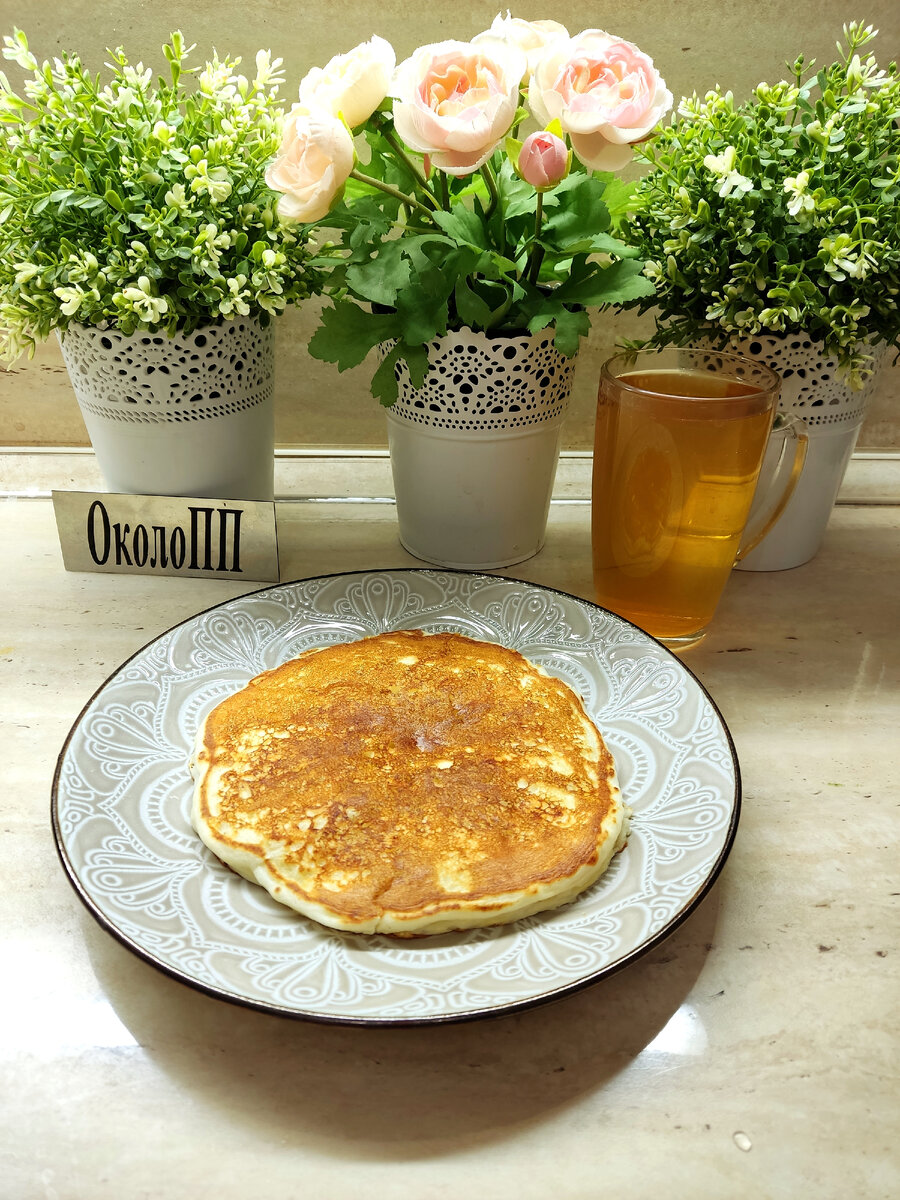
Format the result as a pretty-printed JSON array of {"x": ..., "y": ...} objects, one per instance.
[{"x": 122, "y": 798}]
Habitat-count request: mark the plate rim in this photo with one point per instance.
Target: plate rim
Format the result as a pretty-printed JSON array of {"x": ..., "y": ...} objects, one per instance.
[{"x": 525, "y": 1003}]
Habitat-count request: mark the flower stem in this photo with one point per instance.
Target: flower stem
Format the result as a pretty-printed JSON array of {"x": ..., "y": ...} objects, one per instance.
[
  {"x": 488, "y": 176},
  {"x": 410, "y": 201},
  {"x": 386, "y": 130},
  {"x": 413, "y": 169},
  {"x": 537, "y": 251}
]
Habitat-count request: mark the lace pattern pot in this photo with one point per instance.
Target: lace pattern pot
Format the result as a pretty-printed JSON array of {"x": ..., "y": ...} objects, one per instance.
[
  {"x": 189, "y": 415},
  {"x": 474, "y": 450},
  {"x": 813, "y": 387},
  {"x": 816, "y": 390}
]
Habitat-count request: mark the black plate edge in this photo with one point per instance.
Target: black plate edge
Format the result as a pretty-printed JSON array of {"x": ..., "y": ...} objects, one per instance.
[{"x": 394, "y": 1022}]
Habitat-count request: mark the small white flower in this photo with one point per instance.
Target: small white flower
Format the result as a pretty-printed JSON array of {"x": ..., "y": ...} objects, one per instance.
[
  {"x": 745, "y": 317},
  {"x": 26, "y": 271},
  {"x": 689, "y": 107},
  {"x": 83, "y": 267},
  {"x": 213, "y": 181},
  {"x": 14, "y": 338},
  {"x": 723, "y": 166},
  {"x": 71, "y": 298},
  {"x": 800, "y": 200},
  {"x": 16, "y": 49},
  {"x": 176, "y": 197},
  {"x": 216, "y": 80},
  {"x": 148, "y": 307},
  {"x": 268, "y": 69},
  {"x": 126, "y": 97},
  {"x": 845, "y": 257},
  {"x": 137, "y": 76},
  {"x": 235, "y": 301}
]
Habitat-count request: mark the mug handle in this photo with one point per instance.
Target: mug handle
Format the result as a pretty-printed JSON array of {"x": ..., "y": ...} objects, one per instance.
[{"x": 785, "y": 478}]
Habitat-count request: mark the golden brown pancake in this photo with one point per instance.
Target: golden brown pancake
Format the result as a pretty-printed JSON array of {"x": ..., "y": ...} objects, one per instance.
[{"x": 408, "y": 783}]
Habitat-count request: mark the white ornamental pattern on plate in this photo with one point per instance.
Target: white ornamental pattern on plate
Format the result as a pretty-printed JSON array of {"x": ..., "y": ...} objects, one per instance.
[{"x": 123, "y": 794}]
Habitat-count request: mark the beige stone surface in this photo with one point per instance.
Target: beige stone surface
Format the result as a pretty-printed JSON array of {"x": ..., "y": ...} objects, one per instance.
[
  {"x": 753, "y": 1054},
  {"x": 695, "y": 46}
]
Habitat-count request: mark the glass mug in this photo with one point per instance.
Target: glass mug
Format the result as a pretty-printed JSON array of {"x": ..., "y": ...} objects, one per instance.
[{"x": 678, "y": 445}]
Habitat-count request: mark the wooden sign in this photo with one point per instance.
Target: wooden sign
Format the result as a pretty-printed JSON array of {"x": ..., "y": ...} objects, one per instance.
[{"x": 167, "y": 535}]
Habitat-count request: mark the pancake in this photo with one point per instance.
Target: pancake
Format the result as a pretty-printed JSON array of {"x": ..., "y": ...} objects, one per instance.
[{"x": 408, "y": 783}]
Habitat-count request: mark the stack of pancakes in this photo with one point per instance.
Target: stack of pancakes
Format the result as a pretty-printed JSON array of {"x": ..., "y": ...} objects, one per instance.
[{"x": 408, "y": 783}]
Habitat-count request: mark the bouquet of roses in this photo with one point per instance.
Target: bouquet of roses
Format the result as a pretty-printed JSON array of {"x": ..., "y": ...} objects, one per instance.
[{"x": 472, "y": 185}]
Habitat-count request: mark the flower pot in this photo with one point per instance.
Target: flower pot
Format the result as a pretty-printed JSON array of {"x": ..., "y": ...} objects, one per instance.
[
  {"x": 816, "y": 390},
  {"x": 792, "y": 542},
  {"x": 189, "y": 415},
  {"x": 474, "y": 450}
]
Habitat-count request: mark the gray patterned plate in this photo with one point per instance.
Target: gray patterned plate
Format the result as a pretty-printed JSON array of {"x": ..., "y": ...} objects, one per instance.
[{"x": 122, "y": 794}]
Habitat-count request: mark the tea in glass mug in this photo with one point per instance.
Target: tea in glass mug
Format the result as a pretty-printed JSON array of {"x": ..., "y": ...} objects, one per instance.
[{"x": 678, "y": 445}]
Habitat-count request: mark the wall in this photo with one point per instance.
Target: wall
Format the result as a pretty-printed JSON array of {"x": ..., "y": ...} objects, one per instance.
[{"x": 734, "y": 43}]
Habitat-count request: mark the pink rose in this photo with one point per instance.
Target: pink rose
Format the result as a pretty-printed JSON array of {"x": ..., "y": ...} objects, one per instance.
[
  {"x": 455, "y": 101},
  {"x": 543, "y": 160},
  {"x": 313, "y": 164},
  {"x": 605, "y": 93}
]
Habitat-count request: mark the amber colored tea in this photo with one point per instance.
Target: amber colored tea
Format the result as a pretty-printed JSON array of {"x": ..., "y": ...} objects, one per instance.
[
  {"x": 689, "y": 384},
  {"x": 675, "y": 469}
]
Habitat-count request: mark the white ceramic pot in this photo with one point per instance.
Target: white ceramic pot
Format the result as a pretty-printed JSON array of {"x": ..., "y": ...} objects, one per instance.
[
  {"x": 474, "y": 450},
  {"x": 797, "y": 535},
  {"x": 178, "y": 416},
  {"x": 815, "y": 390}
]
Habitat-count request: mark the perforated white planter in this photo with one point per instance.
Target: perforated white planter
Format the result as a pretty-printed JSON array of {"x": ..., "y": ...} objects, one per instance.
[
  {"x": 178, "y": 416},
  {"x": 474, "y": 450},
  {"x": 814, "y": 389}
]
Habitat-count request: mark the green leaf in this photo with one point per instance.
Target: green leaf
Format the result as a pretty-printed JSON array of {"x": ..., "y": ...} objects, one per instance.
[
  {"x": 470, "y": 307},
  {"x": 581, "y": 211},
  {"x": 618, "y": 283},
  {"x": 417, "y": 363},
  {"x": 422, "y": 311},
  {"x": 384, "y": 381},
  {"x": 361, "y": 217},
  {"x": 571, "y": 327},
  {"x": 464, "y": 225},
  {"x": 596, "y": 243},
  {"x": 347, "y": 333},
  {"x": 513, "y": 149},
  {"x": 518, "y": 199},
  {"x": 383, "y": 276},
  {"x": 618, "y": 196}
]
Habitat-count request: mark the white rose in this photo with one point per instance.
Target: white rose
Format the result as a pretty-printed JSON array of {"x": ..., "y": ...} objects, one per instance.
[
  {"x": 533, "y": 37},
  {"x": 351, "y": 85},
  {"x": 313, "y": 164}
]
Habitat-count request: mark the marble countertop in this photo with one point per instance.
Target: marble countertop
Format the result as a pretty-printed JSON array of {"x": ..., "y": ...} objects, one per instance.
[{"x": 753, "y": 1054}]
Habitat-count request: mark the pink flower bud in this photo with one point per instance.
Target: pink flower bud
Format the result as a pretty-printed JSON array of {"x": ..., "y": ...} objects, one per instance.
[{"x": 543, "y": 160}]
